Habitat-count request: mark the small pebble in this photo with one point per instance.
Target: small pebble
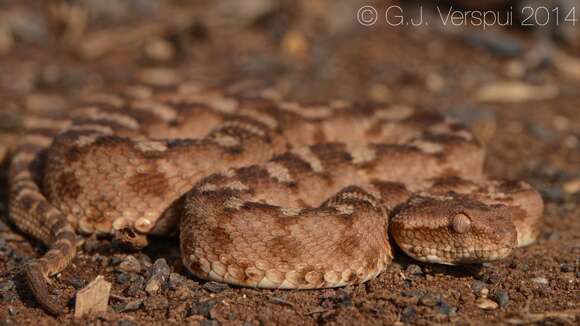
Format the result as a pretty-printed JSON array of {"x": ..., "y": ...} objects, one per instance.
[
  {"x": 566, "y": 268},
  {"x": 12, "y": 311},
  {"x": 6, "y": 285},
  {"x": 486, "y": 304},
  {"x": 122, "y": 278},
  {"x": 443, "y": 308},
  {"x": 502, "y": 298},
  {"x": 484, "y": 292},
  {"x": 572, "y": 186},
  {"x": 203, "y": 308},
  {"x": 540, "y": 280},
  {"x": 130, "y": 265},
  {"x": 91, "y": 244},
  {"x": 215, "y": 287},
  {"x": 77, "y": 282},
  {"x": 478, "y": 286},
  {"x": 159, "y": 273},
  {"x": 130, "y": 306},
  {"x": 429, "y": 300},
  {"x": 414, "y": 270},
  {"x": 408, "y": 314},
  {"x": 554, "y": 236},
  {"x": 137, "y": 284},
  {"x": 176, "y": 281}
]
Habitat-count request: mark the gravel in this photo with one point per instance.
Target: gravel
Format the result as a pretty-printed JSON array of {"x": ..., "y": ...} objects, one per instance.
[
  {"x": 566, "y": 268},
  {"x": 430, "y": 299},
  {"x": 158, "y": 275},
  {"x": 443, "y": 308},
  {"x": 130, "y": 265},
  {"x": 502, "y": 298},
  {"x": 156, "y": 303},
  {"x": 408, "y": 314},
  {"x": 215, "y": 287},
  {"x": 176, "y": 281},
  {"x": 413, "y": 270}
]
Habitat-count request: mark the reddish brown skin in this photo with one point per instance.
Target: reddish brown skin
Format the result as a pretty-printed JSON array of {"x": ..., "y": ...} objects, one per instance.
[{"x": 265, "y": 193}]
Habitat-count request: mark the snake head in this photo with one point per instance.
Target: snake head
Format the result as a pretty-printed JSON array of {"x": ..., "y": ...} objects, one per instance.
[{"x": 453, "y": 230}]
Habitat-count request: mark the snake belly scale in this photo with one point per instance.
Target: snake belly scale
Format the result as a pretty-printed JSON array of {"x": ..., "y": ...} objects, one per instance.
[{"x": 264, "y": 193}]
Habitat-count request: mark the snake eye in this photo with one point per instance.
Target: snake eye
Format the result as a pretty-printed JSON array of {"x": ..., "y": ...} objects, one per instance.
[{"x": 461, "y": 223}]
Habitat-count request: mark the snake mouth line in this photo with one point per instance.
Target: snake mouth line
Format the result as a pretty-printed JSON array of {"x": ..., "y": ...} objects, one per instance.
[{"x": 454, "y": 256}]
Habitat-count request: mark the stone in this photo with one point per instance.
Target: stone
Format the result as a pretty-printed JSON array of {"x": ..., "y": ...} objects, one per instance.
[
  {"x": 93, "y": 298},
  {"x": 540, "y": 280},
  {"x": 486, "y": 304},
  {"x": 413, "y": 270},
  {"x": 158, "y": 275},
  {"x": 429, "y": 300},
  {"x": 130, "y": 265},
  {"x": 215, "y": 287},
  {"x": 502, "y": 298},
  {"x": 408, "y": 314}
]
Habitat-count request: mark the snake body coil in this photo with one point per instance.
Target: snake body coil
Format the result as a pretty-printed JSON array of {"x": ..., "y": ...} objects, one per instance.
[{"x": 265, "y": 193}]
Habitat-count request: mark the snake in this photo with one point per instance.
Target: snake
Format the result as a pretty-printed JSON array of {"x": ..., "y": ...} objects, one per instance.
[{"x": 262, "y": 192}]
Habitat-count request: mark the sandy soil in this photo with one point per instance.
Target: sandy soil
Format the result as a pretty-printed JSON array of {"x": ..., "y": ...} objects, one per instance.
[{"x": 309, "y": 51}]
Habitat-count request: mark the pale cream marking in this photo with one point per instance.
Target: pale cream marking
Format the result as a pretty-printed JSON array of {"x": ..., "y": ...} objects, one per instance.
[
  {"x": 226, "y": 140},
  {"x": 343, "y": 208},
  {"x": 121, "y": 223},
  {"x": 361, "y": 197},
  {"x": 27, "y": 192},
  {"x": 261, "y": 117},
  {"x": 163, "y": 111},
  {"x": 266, "y": 283},
  {"x": 208, "y": 187},
  {"x": 234, "y": 203},
  {"x": 306, "y": 154},
  {"x": 151, "y": 146},
  {"x": 189, "y": 88},
  {"x": 218, "y": 103},
  {"x": 35, "y": 123},
  {"x": 94, "y": 113},
  {"x": 464, "y": 134},
  {"x": 86, "y": 140},
  {"x": 23, "y": 157},
  {"x": 102, "y": 129},
  {"x": 85, "y": 226},
  {"x": 278, "y": 172},
  {"x": 36, "y": 139},
  {"x": 361, "y": 153},
  {"x": 290, "y": 211},
  {"x": 229, "y": 173},
  {"x": 138, "y": 92},
  {"x": 237, "y": 185},
  {"x": 244, "y": 126},
  {"x": 427, "y": 146},
  {"x": 396, "y": 113},
  {"x": 143, "y": 225}
]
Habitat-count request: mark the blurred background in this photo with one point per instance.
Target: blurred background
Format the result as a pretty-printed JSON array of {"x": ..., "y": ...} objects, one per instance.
[{"x": 516, "y": 63}]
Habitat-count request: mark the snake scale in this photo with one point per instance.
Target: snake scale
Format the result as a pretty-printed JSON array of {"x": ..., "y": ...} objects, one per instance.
[{"x": 264, "y": 193}]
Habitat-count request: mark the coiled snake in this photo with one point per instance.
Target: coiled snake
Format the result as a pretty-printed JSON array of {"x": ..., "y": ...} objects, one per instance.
[{"x": 264, "y": 193}]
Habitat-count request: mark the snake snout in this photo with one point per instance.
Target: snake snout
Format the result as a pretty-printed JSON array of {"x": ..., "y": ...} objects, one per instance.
[{"x": 452, "y": 231}]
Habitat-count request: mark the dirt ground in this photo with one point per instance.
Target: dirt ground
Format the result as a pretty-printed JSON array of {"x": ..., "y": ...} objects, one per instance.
[{"x": 524, "y": 79}]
